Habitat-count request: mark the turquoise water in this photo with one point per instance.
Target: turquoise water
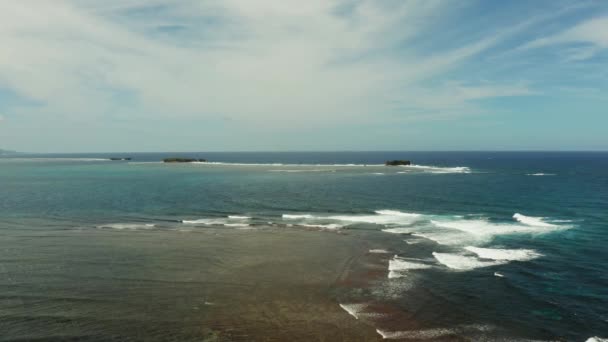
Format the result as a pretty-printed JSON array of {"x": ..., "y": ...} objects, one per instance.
[{"x": 513, "y": 242}]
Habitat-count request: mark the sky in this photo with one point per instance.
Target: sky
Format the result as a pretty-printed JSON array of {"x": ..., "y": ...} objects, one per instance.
[{"x": 283, "y": 75}]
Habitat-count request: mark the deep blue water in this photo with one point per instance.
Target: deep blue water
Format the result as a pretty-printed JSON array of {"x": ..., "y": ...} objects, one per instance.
[{"x": 555, "y": 287}]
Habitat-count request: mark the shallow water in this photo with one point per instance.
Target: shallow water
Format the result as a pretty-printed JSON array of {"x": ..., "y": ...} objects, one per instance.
[{"x": 480, "y": 245}]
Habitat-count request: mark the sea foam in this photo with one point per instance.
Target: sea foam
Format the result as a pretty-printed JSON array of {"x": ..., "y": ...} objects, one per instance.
[
  {"x": 463, "y": 262},
  {"x": 504, "y": 254},
  {"x": 438, "y": 169},
  {"x": 397, "y": 266},
  {"x": 380, "y": 217},
  {"x": 129, "y": 226},
  {"x": 597, "y": 339},
  {"x": 532, "y": 221}
]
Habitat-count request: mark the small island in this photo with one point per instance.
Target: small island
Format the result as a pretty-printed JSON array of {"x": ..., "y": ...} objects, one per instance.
[
  {"x": 397, "y": 162},
  {"x": 183, "y": 160}
]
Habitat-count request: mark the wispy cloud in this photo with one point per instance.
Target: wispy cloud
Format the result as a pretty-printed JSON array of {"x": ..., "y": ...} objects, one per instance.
[
  {"x": 250, "y": 60},
  {"x": 592, "y": 33},
  {"x": 258, "y": 63}
]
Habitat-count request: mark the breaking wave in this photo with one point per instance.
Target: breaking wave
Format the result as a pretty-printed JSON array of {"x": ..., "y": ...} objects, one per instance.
[
  {"x": 597, "y": 339},
  {"x": 234, "y": 221},
  {"x": 380, "y": 217},
  {"x": 504, "y": 254},
  {"x": 438, "y": 169},
  {"x": 463, "y": 262},
  {"x": 129, "y": 226},
  {"x": 398, "y": 266},
  {"x": 532, "y": 221}
]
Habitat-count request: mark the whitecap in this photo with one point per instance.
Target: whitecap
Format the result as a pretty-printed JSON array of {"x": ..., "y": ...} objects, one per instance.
[
  {"x": 353, "y": 309},
  {"x": 400, "y": 230},
  {"x": 414, "y": 334},
  {"x": 532, "y": 221},
  {"x": 378, "y": 251},
  {"x": 130, "y": 226},
  {"x": 297, "y": 216},
  {"x": 203, "y": 221},
  {"x": 381, "y": 217},
  {"x": 500, "y": 275},
  {"x": 238, "y": 217},
  {"x": 540, "y": 174},
  {"x": 448, "y": 238},
  {"x": 504, "y": 254},
  {"x": 438, "y": 169},
  {"x": 226, "y": 222},
  {"x": 332, "y": 226},
  {"x": 597, "y": 339},
  {"x": 463, "y": 262},
  {"x": 236, "y": 225},
  {"x": 397, "y": 266},
  {"x": 485, "y": 229}
]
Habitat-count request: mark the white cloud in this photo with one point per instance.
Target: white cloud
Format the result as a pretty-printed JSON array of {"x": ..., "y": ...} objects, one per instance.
[
  {"x": 592, "y": 32},
  {"x": 285, "y": 61}
]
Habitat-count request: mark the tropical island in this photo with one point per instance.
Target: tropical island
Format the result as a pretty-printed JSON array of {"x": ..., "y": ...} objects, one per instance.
[{"x": 397, "y": 162}]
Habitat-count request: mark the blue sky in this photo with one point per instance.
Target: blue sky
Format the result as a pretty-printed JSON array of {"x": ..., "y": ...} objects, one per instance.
[{"x": 198, "y": 75}]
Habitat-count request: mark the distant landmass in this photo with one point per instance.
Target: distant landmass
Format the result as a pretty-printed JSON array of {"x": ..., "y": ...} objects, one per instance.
[{"x": 6, "y": 152}]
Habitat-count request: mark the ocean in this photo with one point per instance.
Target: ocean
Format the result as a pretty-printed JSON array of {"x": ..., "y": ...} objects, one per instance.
[{"x": 496, "y": 246}]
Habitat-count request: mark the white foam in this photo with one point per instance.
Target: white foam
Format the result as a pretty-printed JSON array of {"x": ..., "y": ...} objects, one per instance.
[
  {"x": 396, "y": 213},
  {"x": 485, "y": 229},
  {"x": 353, "y": 309},
  {"x": 238, "y": 217},
  {"x": 203, "y": 221},
  {"x": 130, "y": 226},
  {"x": 435, "y": 333},
  {"x": 504, "y": 254},
  {"x": 540, "y": 174},
  {"x": 378, "y": 251},
  {"x": 398, "y": 230},
  {"x": 332, "y": 226},
  {"x": 438, "y": 169},
  {"x": 398, "y": 266},
  {"x": 500, "y": 275},
  {"x": 532, "y": 221},
  {"x": 401, "y": 264},
  {"x": 448, "y": 238},
  {"x": 226, "y": 222},
  {"x": 463, "y": 262},
  {"x": 297, "y": 217},
  {"x": 597, "y": 339},
  {"x": 378, "y": 173},
  {"x": 413, "y": 242},
  {"x": 381, "y": 217},
  {"x": 236, "y": 225},
  {"x": 414, "y": 334}
]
